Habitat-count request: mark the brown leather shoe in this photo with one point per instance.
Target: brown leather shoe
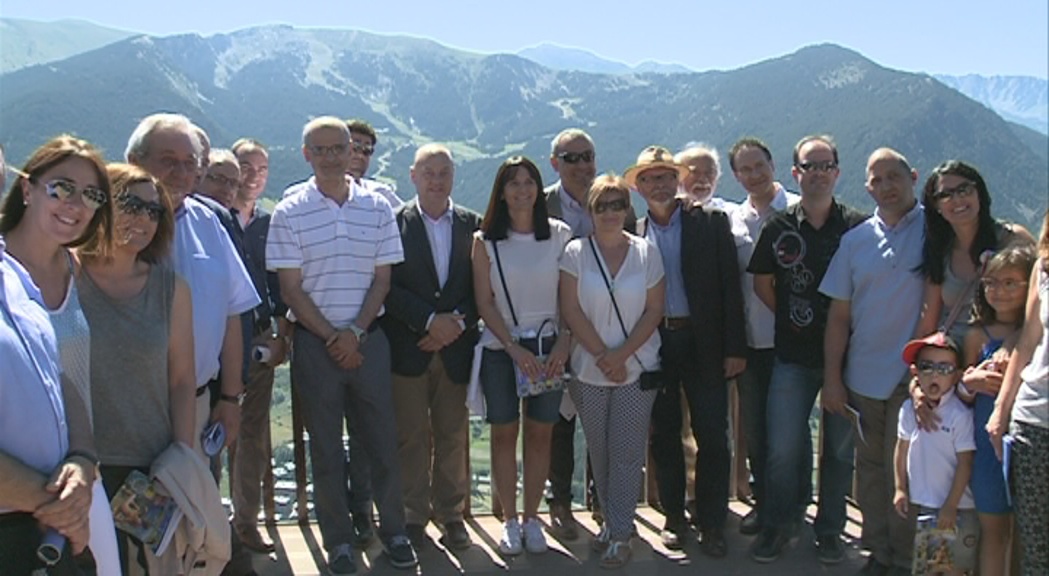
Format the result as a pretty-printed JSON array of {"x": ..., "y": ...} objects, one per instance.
[
  {"x": 253, "y": 540},
  {"x": 562, "y": 522}
]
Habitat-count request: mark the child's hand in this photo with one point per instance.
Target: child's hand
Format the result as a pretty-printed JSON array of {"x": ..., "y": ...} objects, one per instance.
[
  {"x": 947, "y": 518},
  {"x": 900, "y": 503},
  {"x": 983, "y": 379}
]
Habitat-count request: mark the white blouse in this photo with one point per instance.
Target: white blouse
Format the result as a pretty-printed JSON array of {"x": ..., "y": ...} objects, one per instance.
[{"x": 641, "y": 270}]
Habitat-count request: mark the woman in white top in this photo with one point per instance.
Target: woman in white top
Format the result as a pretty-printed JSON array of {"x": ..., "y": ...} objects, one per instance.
[
  {"x": 519, "y": 301},
  {"x": 59, "y": 201},
  {"x": 615, "y": 411}
]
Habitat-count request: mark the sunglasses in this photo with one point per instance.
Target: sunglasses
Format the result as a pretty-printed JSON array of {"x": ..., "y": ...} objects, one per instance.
[
  {"x": 576, "y": 157},
  {"x": 92, "y": 197},
  {"x": 365, "y": 149},
  {"x": 134, "y": 206},
  {"x": 927, "y": 368},
  {"x": 825, "y": 166},
  {"x": 960, "y": 191},
  {"x": 333, "y": 150},
  {"x": 617, "y": 205}
]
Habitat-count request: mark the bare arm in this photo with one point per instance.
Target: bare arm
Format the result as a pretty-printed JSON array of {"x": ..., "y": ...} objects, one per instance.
[
  {"x": 305, "y": 311},
  {"x": 949, "y": 511},
  {"x": 21, "y": 487},
  {"x": 835, "y": 343},
  {"x": 900, "y": 500},
  {"x": 181, "y": 378},
  {"x": 932, "y": 307},
  {"x": 647, "y": 323},
  {"x": 376, "y": 295},
  {"x": 572, "y": 313},
  {"x": 231, "y": 363},
  {"x": 765, "y": 289}
]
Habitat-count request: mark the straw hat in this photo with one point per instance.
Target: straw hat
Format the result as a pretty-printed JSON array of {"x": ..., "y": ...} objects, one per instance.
[{"x": 650, "y": 158}]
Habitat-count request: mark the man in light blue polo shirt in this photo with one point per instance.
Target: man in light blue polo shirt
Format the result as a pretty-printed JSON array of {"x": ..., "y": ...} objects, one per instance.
[{"x": 876, "y": 296}]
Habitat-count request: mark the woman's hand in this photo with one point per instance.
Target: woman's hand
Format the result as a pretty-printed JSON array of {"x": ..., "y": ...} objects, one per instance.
[
  {"x": 557, "y": 360},
  {"x": 997, "y": 426},
  {"x": 983, "y": 378},
  {"x": 526, "y": 361},
  {"x": 613, "y": 365}
]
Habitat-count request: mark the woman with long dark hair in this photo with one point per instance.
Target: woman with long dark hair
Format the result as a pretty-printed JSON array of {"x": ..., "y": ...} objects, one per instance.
[{"x": 515, "y": 268}]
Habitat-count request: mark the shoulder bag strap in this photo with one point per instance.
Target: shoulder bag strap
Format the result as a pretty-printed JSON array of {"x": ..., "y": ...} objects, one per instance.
[
  {"x": 502, "y": 280},
  {"x": 612, "y": 296}
]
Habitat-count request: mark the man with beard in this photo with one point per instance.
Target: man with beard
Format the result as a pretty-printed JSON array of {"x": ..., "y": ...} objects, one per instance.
[{"x": 700, "y": 184}]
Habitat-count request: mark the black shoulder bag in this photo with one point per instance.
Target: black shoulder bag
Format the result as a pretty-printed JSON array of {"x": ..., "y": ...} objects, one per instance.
[{"x": 650, "y": 379}]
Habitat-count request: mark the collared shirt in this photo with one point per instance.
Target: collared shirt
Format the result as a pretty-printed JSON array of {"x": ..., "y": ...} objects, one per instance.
[
  {"x": 875, "y": 269},
  {"x": 574, "y": 214},
  {"x": 797, "y": 256},
  {"x": 439, "y": 232},
  {"x": 337, "y": 247},
  {"x": 219, "y": 285},
  {"x": 932, "y": 458},
  {"x": 746, "y": 226},
  {"x": 264, "y": 281},
  {"x": 33, "y": 425},
  {"x": 668, "y": 239}
]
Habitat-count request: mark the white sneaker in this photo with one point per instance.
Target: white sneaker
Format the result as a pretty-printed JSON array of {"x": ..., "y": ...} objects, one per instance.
[
  {"x": 510, "y": 543},
  {"x": 534, "y": 540}
]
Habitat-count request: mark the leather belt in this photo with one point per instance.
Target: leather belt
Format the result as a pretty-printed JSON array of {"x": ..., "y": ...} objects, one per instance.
[{"x": 675, "y": 322}]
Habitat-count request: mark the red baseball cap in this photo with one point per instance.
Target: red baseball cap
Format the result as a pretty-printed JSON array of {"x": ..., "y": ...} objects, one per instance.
[{"x": 936, "y": 339}]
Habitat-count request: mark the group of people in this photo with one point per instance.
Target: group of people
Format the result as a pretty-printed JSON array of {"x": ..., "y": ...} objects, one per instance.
[{"x": 145, "y": 302}]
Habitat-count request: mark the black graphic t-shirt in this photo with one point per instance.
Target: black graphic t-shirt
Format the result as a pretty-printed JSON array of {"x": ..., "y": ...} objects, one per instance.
[{"x": 797, "y": 255}]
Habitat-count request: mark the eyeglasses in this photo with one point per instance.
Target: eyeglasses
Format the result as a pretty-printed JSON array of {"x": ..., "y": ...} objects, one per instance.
[
  {"x": 617, "y": 205},
  {"x": 577, "y": 157},
  {"x": 824, "y": 166},
  {"x": 170, "y": 163},
  {"x": 333, "y": 150},
  {"x": 927, "y": 368},
  {"x": 1008, "y": 286},
  {"x": 365, "y": 149},
  {"x": 660, "y": 178},
  {"x": 963, "y": 190},
  {"x": 93, "y": 198},
  {"x": 222, "y": 180},
  {"x": 134, "y": 206}
]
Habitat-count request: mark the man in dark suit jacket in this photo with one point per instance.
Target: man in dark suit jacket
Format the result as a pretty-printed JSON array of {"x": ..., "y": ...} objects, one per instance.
[
  {"x": 431, "y": 323},
  {"x": 703, "y": 345}
]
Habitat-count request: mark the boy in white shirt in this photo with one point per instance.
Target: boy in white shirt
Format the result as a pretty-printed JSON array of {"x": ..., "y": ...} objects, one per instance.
[{"x": 933, "y": 468}]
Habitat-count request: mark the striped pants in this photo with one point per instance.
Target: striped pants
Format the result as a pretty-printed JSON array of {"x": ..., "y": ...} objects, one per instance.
[{"x": 615, "y": 421}]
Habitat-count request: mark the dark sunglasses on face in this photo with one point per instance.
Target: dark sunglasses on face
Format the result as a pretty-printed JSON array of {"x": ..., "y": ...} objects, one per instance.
[
  {"x": 366, "y": 149},
  {"x": 134, "y": 206},
  {"x": 960, "y": 191},
  {"x": 617, "y": 205},
  {"x": 63, "y": 190},
  {"x": 825, "y": 166},
  {"x": 927, "y": 368},
  {"x": 576, "y": 157}
]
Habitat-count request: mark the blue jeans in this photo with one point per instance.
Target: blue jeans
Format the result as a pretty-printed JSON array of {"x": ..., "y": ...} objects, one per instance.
[{"x": 792, "y": 393}]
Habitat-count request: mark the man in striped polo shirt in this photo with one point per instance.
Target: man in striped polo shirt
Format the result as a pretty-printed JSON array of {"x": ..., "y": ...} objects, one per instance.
[{"x": 332, "y": 245}]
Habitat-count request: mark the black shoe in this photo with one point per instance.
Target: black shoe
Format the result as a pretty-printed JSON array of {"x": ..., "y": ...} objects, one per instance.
[
  {"x": 750, "y": 524},
  {"x": 712, "y": 542},
  {"x": 400, "y": 553},
  {"x": 830, "y": 549},
  {"x": 873, "y": 568},
  {"x": 340, "y": 561},
  {"x": 673, "y": 534},
  {"x": 563, "y": 522},
  {"x": 363, "y": 531},
  {"x": 416, "y": 533},
  {"x": 769, "y": 546},
  {"x": 455, "y": 536}
]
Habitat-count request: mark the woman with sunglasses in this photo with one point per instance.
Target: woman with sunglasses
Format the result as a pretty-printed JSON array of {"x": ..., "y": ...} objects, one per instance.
[
  {"x": 142, "y": 342},
  {"x": 60, "y": 201},
  {"x": 515, "y": 269},
  {"x": 612, "y": 298}
]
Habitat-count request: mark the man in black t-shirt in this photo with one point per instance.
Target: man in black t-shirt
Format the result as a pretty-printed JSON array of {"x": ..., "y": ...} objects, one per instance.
[{"x": 790, "y": 258}]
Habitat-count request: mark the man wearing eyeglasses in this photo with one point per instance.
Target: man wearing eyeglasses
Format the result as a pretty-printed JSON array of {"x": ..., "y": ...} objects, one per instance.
[
  {"x": 362, "y": 146},
  {"x": 332, "y": 245},
  {"x": 221, "y": 178},
  {"x": 876, "y": 298},
  {"x": 704, "y": 345},
  {"x": 789, "y": 261}
]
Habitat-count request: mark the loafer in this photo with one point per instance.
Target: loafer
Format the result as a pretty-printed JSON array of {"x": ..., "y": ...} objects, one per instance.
[
  {"x": 562, "y": 522},
  {"x": 340, "y": 561},
  {"x": 363, "y": 531},
  {"x": 769, "y": 546},
  {"x": 750, "y": 524},
  {"x": 673, "y": 533},
  {"x": 712, "y": 542},
  {"x": 400, "y": 553},
  {"x": 253, "y": 540},
  {"x": 830, "y": 549},
  {"x": 455, "y": 536}
]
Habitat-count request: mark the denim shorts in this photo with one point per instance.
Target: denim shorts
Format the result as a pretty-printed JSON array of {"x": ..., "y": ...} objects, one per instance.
[{"x": 500, "y": 393}]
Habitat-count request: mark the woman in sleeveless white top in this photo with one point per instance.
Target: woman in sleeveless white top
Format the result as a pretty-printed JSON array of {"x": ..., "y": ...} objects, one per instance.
[{"x": 41, "y": 220}]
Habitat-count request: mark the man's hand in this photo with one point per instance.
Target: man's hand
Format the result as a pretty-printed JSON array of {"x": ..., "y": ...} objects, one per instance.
[
  {"x": 926, "y": 417},
  {"x": 833, "y": 396},
  {"x": 899, "y": 502},
  {"x": 344, "y": 351},
  {"x": 68, "y": 512},
  {"x": 229, "y": 414},
  {"x": 734, "y": 367},
  {"x": 428, "y": 344},
  {"x": 446, "y": 327}
]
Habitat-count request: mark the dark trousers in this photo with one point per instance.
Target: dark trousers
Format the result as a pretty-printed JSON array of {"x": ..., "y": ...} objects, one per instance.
[
  {"x": 20, "y": 535},
  {"x": 706, "y": 392},
  {"x": 753, "y": 404},
  {"x": 562, "y": 461}
]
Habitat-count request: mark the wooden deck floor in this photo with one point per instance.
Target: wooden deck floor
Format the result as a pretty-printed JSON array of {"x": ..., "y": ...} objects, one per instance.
[{"x": 299, "y": 552}]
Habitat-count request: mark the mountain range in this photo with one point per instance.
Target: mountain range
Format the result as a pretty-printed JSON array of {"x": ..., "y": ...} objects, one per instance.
[{"x": 267, "y": 81}]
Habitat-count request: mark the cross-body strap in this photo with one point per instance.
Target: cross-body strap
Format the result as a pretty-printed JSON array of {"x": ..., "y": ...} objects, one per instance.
[
  {"x": 612, "y": 296},
  {"x": 502, "y": 280}
]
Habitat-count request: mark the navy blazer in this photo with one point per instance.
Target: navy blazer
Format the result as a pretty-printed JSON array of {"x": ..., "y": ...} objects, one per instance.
[{"x": 415, "y": 295}]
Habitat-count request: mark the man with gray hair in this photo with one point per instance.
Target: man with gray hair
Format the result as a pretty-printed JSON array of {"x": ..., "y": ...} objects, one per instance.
[
  {"x": 332, "y": 245},
  {"x": 700, "y": 184}
]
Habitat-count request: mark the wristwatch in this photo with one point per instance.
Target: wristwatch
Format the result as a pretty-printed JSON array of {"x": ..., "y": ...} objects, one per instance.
[
  {"x": 359, "y": 332},
  {"x": 237, "y": 399}
]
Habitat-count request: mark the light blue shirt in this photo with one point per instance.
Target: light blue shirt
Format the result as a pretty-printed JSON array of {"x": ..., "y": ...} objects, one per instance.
[
  {"x": 33, "y": 426},
  {"x": 668, "y": 239},
  {"x": 220, "y": 287},
  {"x": 575, "y": 214},
  {"x": 875, "y": 270}
]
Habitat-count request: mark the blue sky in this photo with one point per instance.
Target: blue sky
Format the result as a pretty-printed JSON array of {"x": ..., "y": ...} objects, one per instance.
[{"x": 955, "y": 37}]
